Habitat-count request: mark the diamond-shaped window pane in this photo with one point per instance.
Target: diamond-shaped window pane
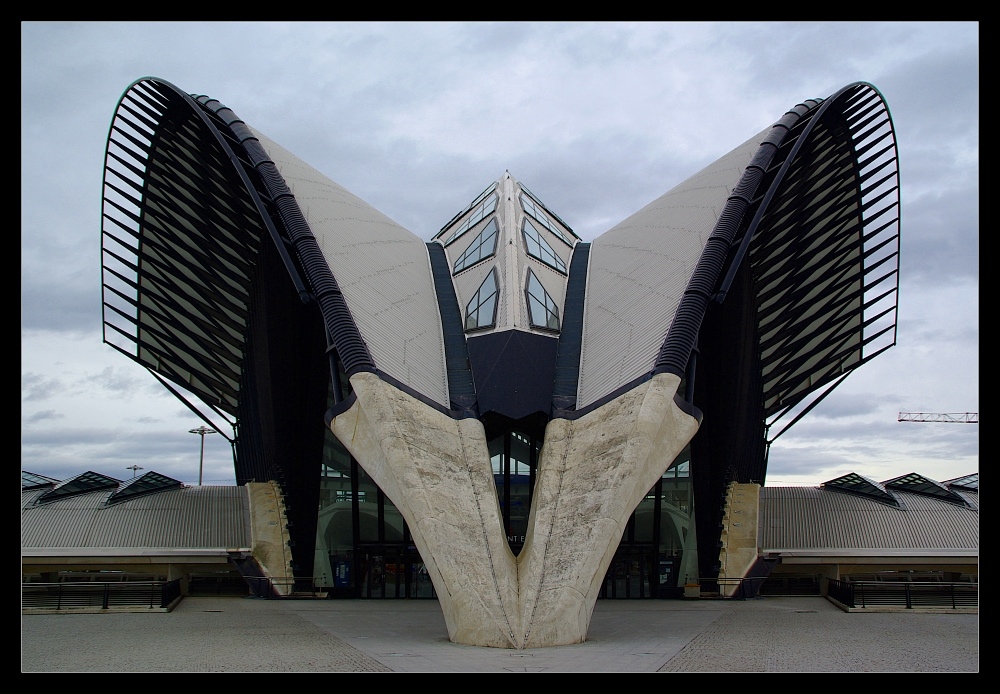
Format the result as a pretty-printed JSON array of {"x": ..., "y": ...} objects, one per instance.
[
  {"x": 542, "y": 309},
  {"x": 483, "y": 247},
  {"x": 539, "y": 248},
  {"x": 481, "y": 212},
  {"x": 481, "y": 310},
  {"x": 535, "y": 211}
]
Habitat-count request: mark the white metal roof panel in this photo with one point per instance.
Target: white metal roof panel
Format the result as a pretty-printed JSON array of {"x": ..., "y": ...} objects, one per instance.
[
  {"x": 639, "y": 270},
  {"x": 383, "y": 271}
]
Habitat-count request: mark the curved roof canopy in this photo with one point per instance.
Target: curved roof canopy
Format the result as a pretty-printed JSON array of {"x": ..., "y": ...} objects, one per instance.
[{"x": 808, "y": 210}]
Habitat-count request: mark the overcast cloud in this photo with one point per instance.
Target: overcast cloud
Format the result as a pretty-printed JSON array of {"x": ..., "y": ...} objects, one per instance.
[{"x": 597, "y": 119}]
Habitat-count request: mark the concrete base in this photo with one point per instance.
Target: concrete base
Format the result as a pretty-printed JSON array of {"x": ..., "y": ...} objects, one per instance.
[
  {"x": 270, "y": 535},
  {"x": 739, "y": 549},
  {"x": 592, "y": 473}
]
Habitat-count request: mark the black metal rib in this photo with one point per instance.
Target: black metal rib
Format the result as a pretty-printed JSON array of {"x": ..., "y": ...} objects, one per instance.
[
  {"x": 165, "y": 176},
  {"x": 682, "y": 335},
  {"x": 814, "y": 248},
  {"x": 567, "y": 370},
  {"x": 461, "y": 386},
  {"x": 344, "y": 333}
]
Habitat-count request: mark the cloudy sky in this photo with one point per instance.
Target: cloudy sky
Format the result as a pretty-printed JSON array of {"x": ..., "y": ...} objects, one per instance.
[{"x": 597, "y": 119}]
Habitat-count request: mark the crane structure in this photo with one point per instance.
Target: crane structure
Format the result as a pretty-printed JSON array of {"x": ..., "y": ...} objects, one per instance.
[{"x": 953, "y": 417}]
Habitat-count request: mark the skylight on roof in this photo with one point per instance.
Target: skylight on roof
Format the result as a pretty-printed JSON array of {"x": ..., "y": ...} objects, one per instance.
[
  {"x": 143, "y": 484},
  {"x": 30, "y": 480},
  {"x": 918, "y": 484},
  {"x": 970, "y": 482},
  {"x": 853, "y": 483},
  {"x": 81, "y": 484}
]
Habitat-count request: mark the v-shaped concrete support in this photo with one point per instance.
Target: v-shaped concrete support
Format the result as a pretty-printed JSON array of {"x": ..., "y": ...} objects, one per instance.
[{"x": 592, "y": 473}]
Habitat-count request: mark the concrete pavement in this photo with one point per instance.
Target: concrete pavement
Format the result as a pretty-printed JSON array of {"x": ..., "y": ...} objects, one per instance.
[{"x": 232, "y": 634}]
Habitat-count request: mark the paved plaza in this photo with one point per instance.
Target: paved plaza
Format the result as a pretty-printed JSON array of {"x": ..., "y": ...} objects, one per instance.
[{"x": 233, "y": 634}]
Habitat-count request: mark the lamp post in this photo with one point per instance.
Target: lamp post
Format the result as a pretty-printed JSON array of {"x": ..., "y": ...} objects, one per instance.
[
  {"x": 202, "y": 430},
  {"x": 133, "y": 468}
]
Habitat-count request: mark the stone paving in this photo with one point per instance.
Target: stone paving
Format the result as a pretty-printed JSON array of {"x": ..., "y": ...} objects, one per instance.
[
  {"x": 227, "y": 634},
  {"x": 200, "y": 635},
  {"x": 812, "y": 635}
]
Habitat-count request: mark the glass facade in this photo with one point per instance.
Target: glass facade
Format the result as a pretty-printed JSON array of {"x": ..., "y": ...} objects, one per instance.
[
  {"x": 482, "y": 247},
  {"x": 482, "y": 309},
  {"x": 539, "y": 248},
  {"x": 481, "y": 211},
  {"x": 541, "y": 308},
  {"x": 364, "y": 548},
  {"x": 514, "y": 457}
]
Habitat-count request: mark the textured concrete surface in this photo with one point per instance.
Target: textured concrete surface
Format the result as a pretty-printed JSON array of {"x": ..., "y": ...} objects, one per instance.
[
  {"x": 270, "y": 534},
  {"x": 592, "y": 473},
  {"x": 739, "y": 549},
  {"x": 437, "y": 472},
  {"x": 226, "y": 634},
  {"x": 812, "y": 635}
]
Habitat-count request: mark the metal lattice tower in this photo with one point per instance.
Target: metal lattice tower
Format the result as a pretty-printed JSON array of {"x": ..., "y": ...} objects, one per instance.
[{"x": 953, "y": 417}]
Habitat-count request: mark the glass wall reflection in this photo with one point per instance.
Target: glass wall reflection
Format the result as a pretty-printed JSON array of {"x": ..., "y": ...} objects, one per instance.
[{"x": 364, "y": 548}]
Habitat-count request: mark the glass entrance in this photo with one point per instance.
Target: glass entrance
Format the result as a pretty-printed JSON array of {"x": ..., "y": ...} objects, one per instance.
[
  {"x": 513, "y": 456},
  {"x": 630, "y": 574},
  {"x": 364, "y": 548},
  {"x": 389, "y": 571}
]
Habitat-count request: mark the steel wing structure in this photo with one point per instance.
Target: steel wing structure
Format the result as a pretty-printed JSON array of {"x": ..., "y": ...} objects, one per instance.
[{"x": 515, "y": 398}]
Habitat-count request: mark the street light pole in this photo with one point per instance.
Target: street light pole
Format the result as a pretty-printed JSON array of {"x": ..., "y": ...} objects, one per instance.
[
  {"x": 202, "y": 430},
  {"x": 133, "y": 468}
]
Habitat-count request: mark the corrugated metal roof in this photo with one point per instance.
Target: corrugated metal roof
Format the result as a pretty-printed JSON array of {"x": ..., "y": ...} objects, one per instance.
[
  {"x": 189, "y": 517},
  {"x": 814, "y": 518}
]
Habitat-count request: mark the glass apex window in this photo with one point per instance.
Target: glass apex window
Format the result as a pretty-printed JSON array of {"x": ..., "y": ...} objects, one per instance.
[
  {"x": 481, "y": 310},
  {"x": 482, "y": 247},
  {"x": 479, "y": 213},
  {"x": 539, "y": 248},
  {"x": 534, "y": 210},
  {"x": 479, "y": 198},
  {"x": 542, "y": 309}
]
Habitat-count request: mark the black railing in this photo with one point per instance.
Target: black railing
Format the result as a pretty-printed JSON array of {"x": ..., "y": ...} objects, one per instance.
[
  {"x": 217, "y": 584},
  {"x": 911, "y": 595},
  {"x": 102, "y": 595},
  {"x": 277, "y": 587},
  {"x": 742, "y": 588},
  {"x": 746, "y": 587}
]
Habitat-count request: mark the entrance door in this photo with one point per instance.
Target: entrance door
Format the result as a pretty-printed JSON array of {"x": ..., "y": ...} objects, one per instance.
[
  {"x": 393, "y": 571},
  {"x": 629, "y": 574}
]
